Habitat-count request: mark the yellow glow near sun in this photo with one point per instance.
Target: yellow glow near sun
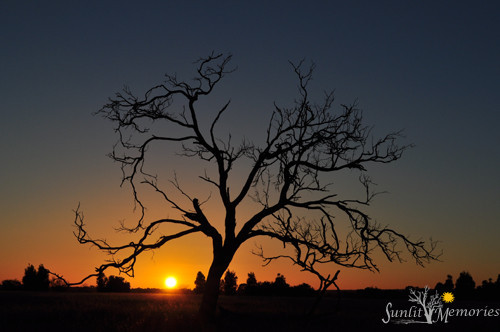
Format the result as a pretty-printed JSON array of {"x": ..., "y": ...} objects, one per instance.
[
  {"x": 170, "y": 282},
  {"x": 448, "y": 297}
]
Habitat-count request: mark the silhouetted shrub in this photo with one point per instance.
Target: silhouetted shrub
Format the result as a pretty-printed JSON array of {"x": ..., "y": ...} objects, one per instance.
[
  {"x": 280, "y": 286},
  {"x": 251, "y": 280},
  {"x": 242, "y": 289},
  {"x": 302, "y": 290},
  {"x": 230, "y": 283},
  {"x": 465, "y": 285},
  {"x": 251, "y": 287},
  {"x": 112, "y": 284},
  {"x": 101, "y": 282},
  {"x": 117, "y": 284},
  {"x": 36, "y": 280},
  {"x": 277, "y": 288},
  {"x": 265, "y": 288},
  {"x": 229, "y": 286},
  {"x": 11, "y": 284},
  {"x": 446, "y": 287},
  {"x": 448, "y": 284},
  {"x": 29, "y": 278},
  {"x": 488, "y": 289},
  {"x": 199, "y": 283},
  {"x": 376, "y": 293}
]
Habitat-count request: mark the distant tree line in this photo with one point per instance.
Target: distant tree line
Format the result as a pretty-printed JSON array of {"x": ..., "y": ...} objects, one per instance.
[
  {"x": 465, "y": 287},
  {"x": 39, "y": 280},
  {"x": 279, "y": 287},
  {"x": 33, "y": 280}
]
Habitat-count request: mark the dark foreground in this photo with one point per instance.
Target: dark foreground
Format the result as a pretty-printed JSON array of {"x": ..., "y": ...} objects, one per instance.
[{"x": 25, "y": 311}]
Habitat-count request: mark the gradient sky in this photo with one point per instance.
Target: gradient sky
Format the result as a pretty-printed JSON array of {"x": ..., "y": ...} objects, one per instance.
[{"x": 431, "y": 68}]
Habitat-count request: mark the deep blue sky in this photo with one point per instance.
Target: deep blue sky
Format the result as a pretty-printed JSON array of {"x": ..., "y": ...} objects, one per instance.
[{"x": 429, "y": 67}]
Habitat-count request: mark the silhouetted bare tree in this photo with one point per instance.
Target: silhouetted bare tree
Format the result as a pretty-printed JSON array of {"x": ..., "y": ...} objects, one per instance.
[{"x": 288, "y": 178}]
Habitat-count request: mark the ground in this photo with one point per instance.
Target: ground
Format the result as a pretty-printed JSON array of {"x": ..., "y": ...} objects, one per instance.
[{"x": 52, "y": 311}]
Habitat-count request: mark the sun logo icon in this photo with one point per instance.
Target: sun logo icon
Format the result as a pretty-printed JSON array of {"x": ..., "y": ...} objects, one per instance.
[{"x": 448, "y": 297}]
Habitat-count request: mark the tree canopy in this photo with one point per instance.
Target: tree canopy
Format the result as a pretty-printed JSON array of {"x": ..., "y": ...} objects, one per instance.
[{"x": 288, "y": 178}]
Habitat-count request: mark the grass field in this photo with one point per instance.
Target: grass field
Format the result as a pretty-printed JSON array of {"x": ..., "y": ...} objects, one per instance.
[{"x": 52, "y": 311}]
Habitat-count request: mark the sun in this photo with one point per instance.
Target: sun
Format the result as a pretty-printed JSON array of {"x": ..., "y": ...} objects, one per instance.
[
  {"x": 448, "y": 297},
  {"x": 170, "y": 282}
]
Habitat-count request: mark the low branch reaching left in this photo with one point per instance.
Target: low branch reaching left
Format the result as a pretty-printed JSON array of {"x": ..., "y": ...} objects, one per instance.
[{"x": 126, "y": 263}]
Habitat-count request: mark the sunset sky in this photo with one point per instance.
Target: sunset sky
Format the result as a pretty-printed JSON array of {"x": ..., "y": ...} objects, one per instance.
[{"x": 431, "y": 68}]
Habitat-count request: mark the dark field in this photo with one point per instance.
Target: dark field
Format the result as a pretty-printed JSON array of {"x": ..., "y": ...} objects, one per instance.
[{"x": 25, "y": 311}]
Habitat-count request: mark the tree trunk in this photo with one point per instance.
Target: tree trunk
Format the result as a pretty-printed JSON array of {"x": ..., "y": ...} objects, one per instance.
[
  {"x": 211, "y": 293},
  {"x": 320, "y": 296}
]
